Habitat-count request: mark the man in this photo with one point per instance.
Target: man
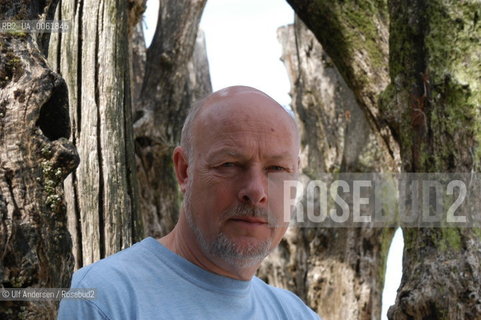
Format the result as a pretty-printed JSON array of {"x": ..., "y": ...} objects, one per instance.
[{"x": 235, "y": 144}]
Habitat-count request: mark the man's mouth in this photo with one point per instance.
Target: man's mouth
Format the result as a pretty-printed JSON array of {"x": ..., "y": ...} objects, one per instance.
[{"x": 252, "y": 220}]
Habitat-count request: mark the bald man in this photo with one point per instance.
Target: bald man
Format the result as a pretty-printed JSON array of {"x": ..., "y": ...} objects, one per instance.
[{"x": 235, "y": 144}]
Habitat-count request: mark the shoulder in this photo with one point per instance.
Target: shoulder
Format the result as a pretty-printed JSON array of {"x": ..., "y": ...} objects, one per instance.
[
  {"x": 116, "y": 280},
  {"x": 123, "y": 264},
  {"x": 288, "y": 301}
]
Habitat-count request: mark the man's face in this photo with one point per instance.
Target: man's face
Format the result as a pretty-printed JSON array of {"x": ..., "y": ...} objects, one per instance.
[{"x": 240, "y": 147}]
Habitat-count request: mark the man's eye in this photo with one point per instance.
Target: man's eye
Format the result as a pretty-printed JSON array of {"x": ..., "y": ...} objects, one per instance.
[
  {"x": 276, "y": 168},
  {"x": 227, "y": 165}
]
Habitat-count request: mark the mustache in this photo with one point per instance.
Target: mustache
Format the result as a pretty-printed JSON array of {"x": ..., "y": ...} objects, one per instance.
[{"x": 245, "y": 210}]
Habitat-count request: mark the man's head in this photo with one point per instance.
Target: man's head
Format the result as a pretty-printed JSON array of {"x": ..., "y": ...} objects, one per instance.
[{"x": 236, "y": 143}]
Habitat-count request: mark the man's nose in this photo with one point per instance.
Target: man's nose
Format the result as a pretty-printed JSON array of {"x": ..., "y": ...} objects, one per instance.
[{"x": 254, "y": 187}]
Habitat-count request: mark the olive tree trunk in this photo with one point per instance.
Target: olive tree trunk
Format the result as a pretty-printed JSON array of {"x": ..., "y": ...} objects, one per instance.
[
  {"x": 337, "y": 271},
  {"x": 35, "y": 158},
  {"x": 433, "y": 106},
  {"x": 355, "y": 35},
  {"x": 102, "y": 195},
  {"x": 431, "y": 109},
  {"x": 348, "y": 264},
  {"x": 175, "y": 76}
]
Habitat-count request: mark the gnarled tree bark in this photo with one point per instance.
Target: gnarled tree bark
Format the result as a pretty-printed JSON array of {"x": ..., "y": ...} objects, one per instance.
[
  {"x": 102, "y": 196},
  {"x": 35, "y": 157},
  {"x": 355, "y": 35},
  {"x": 168, "y": 90},
  {"x": 433, "y": 106},
  {"x": 337, "y": 271}
]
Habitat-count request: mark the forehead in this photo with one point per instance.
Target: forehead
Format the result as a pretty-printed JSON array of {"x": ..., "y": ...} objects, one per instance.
[{"x": 248, "y": 114}]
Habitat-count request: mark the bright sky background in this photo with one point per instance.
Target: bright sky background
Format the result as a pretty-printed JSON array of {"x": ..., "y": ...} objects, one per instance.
[
  {"x": 242, "y": 43},
  {"x": 242, "y": 48}
]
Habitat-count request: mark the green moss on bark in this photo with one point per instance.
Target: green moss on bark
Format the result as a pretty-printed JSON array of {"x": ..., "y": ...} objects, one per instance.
[
  {"x": 455, "y": 65},
  {"x": 434, "y": 67},
  {"x": 351, "y": 30},
  {"x": 450, "y": 239},
  {"x": 11, "y": 67}
]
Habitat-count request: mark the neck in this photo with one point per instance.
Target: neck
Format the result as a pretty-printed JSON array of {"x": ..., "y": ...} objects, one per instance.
[{"x": 182, "y": 241}]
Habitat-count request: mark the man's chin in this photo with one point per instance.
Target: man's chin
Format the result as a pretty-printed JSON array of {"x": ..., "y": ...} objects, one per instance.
[
  {"x": 240, "y": 250},
  {"x": 249, "y": 245}
]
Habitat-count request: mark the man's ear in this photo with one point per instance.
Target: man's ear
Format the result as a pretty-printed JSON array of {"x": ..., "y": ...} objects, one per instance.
[{"x": 181, "y": 164}]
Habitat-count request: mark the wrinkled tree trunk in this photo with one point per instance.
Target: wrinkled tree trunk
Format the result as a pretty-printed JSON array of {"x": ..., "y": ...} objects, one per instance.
[
  {"x": 433, "y": 106},
  {"x": 171, "y": 83},
  {"x": 355, "y": 35},
  {"x": 35, "y": 157},
  {"x": 432, "y": 111},
  {"x": 102, "y": 196},
  {"x": 339, "y": 272}
]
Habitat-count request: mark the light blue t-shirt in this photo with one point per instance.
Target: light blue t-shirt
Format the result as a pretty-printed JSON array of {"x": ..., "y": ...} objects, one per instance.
[{"x": 148, "y": 281}]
